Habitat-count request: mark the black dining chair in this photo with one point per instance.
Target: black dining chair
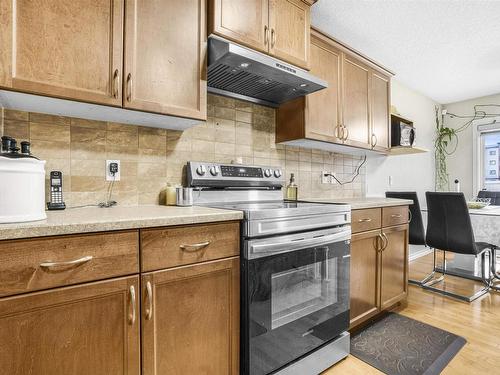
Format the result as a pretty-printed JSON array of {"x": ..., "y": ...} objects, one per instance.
[
  {"x": 494, "y": 196},
  {"x": 449, "y": 229},
  {"x": 416, "y": 226}
]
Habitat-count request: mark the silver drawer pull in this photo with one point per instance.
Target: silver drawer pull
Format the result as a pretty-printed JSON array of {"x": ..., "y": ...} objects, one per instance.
[
  {"x": 76, "y": 262},
  {"x": 195, "y": 246},
  {"x": 367, "y": 220},
  {"x": 396, "y": 216}
]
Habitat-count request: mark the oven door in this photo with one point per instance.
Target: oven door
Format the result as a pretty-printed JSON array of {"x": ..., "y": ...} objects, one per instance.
[{"x": 295, "y": 294}]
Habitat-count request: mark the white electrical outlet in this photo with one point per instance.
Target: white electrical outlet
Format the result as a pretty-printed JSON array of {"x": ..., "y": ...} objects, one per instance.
[
  {"x": 109, "y": 175},
  {"x": 325, "y": 179}
]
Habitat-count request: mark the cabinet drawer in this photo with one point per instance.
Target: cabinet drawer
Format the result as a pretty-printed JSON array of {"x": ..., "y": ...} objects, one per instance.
[
  {"x": 41, "y": 263},
  {"x": 367, "y": 219},
  {"x": 394, "y": 215},
  {"x": 176, "y": 246}
]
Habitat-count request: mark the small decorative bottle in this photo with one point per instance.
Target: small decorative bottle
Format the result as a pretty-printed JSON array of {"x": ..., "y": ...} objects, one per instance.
[{"x": 291, "y": 189}]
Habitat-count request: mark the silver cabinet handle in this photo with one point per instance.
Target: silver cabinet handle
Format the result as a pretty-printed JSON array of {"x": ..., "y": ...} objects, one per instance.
[
  {"x": 76, "y": 262},
  {"x": 266, "y": 35},
  {"x": 129, "y": 87},
  {"x": 386, "y": 241},
  {"x": 131, "y": 317},
  {"x": 396, "y": 216},
  {"x": 366, "y": 220},
  {"x": 116, "y": 83},
  {"x": 149, "y": 300},
  {"x": 379, "y": 249},
  {"x": 376, "y": 140},
  {"x": 346, "y": 133},
  {"x": 195, "y": 246},
  {"x": 273, "y": 38}
]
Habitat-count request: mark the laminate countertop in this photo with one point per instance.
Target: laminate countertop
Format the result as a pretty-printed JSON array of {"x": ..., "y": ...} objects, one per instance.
[
  {"x": 362, "y": 203},
  {"x": 95, "y": 219}
]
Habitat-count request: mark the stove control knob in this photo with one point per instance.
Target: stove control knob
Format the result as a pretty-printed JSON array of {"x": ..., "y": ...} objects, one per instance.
[
  {"x": 214, "y": 171},
  {"x": 201, "y": 170},
  {"x": 277, "y": 173},
  {"x": 268, "y": 173}
]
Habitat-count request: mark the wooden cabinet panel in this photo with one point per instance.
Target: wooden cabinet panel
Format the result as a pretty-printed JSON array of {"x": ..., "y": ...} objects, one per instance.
[
  {"x": 67, "y": 49},
  {"x": 87, "y": 329},
  {"x": 323, "y": 107},
  {"x": 165, "y": 48},
  {"x": 394, "y": 215},
  {"x": 175, "y": 246},
  {"x": 356, "y": 111},
  {"x": 289, "y": 22},
  {"x": 364, "y": 280},
  {"x": 380, "y": 102},
  {"x": 191, "y": 319},
  {"x": 394, "y": 266},
  {"x": 243, "y": 21},
  {"x": 366, "y": 219},
  {"x": 25, "y": 265}
]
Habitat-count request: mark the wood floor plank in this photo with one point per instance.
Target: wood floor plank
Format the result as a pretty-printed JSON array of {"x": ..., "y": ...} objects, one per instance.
[{"x": 478, "y": 322}]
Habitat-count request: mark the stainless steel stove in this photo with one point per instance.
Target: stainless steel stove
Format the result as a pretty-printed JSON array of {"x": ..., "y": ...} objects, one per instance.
[{"x": 294, "y": 269}]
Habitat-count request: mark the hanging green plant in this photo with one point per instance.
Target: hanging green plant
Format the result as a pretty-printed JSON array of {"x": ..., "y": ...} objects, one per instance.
[{"x": 445, "y": 145}]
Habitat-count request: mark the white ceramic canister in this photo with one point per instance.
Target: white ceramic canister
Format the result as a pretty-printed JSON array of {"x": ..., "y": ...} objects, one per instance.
[{"x": 22, "y": 189}]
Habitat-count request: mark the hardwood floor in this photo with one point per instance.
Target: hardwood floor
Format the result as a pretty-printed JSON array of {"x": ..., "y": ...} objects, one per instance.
[{"x": 478, "y": 322}]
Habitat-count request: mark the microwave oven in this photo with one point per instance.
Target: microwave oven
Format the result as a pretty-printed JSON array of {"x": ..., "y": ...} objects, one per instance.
[{"x": 402, "y": 133}]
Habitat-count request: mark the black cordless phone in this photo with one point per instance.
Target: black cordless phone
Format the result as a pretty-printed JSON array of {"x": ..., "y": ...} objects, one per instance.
[{"x": 56, "y": 195}]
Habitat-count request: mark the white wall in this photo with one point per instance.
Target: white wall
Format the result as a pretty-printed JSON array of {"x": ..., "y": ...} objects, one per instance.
[
  {"x": 460, "y": 163},
  {"x": 409, "y": 172}
]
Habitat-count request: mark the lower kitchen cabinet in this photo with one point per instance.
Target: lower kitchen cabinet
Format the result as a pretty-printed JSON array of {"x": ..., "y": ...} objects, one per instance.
[
  {"x": 394, "y": 266},
  {"x": 88, "y": 329},
  {"x": 379, "y": 263},
  {"x": 190, "y": 319},
  {"x": 364, "y": 285}
]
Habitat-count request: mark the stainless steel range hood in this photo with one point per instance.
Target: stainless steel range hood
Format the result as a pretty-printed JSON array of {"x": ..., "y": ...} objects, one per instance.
[{"x": 241, "y": 73}]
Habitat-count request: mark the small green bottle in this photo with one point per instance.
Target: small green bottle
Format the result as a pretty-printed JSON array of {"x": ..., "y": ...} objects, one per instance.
[{"x": 291, "y": 189}]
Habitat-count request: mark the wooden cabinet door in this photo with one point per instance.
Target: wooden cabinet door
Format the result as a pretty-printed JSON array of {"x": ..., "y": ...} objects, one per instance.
[
  {"x": 289, "y": 22},
  {"x": 394, "y": 266},
  {"x": 323, "y": 107},
  {"x": 165, "y": 48},
  {"x": 364, "y": 279},
  {"x": 356, "y": 110},
  {"x": 81, "y": 330},
  {"x": 243, "y": 21},
  {"x": 191, "y": 319},
  {"x": 380, "y": 96},
  {"x": 67, "y": 49}
]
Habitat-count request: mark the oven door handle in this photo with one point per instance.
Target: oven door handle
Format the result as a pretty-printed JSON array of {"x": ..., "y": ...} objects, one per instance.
[{"x": 284, "y": 247}]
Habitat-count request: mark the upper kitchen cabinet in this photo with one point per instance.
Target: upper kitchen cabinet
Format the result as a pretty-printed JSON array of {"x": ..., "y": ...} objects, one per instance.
[
  {"x": 351, "y": 115},
  {"x": 306, "y": 116},
  {"x": 355, "y": 109},
  {"x": 243, "y": 21},
  {"x": 66, "y": 49},
  {"x": 280, "y": 28},
  {"x": 290, "y": 23},
  {"x": 165, "y": 44},
  {"x": 380, "y": 97}
]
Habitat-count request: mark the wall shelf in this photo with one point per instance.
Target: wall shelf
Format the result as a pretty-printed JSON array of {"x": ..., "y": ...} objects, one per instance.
[{"x": 400, "y": 150}]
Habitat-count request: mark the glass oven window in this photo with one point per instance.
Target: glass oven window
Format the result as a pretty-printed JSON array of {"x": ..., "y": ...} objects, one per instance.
[{"x": 302, "y": 291}]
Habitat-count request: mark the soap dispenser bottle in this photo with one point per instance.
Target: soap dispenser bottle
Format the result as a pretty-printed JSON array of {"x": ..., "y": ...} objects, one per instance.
[{"x": 291, "y": 189}]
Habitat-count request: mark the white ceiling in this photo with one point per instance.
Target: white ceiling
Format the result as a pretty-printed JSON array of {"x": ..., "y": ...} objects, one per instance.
[{"x": 448, "y": 50}]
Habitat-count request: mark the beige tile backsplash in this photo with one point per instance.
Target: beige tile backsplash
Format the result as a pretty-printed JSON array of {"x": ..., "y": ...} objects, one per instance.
[{"x": 151, "y": 158}]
